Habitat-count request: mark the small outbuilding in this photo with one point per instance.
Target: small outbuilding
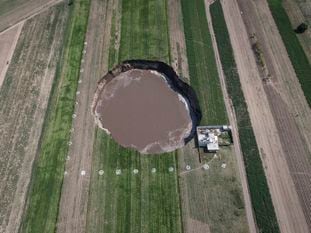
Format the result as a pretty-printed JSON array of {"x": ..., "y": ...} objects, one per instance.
[{"x": 208, "y": 136}]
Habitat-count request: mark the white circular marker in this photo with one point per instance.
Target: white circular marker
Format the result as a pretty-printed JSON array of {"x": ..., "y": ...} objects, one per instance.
[
  {"x": 70, "y": 143},
  {"x": 83, "y": 173},
  {"x": 171, "y": 169},
  {"x": 80, "y": 81},
  {"x": 82, "y": 60},
  {"x": 153, "y": 170},
  {"x": 77, "y": 103},
  {"x": 101, "y": 172},
  {"x": 65, "y": 173},
  {"x": 74, "y": 115},
  {"x": 118, "y": 172},
  {"x": 206, "y": 166},
  {"x": 84, "y": 51},
  {"x": 135, "y": 171},
  {"x": 85, "y": 43},
  {"x": 81, "y": 70},
  {"x": 223, "y": 165},
  {"x": 188, "y": 167},
  {"x": 78, "y": 92},
  {"x": 215, "y": 156},
  {"x": 68, "y": 158}
]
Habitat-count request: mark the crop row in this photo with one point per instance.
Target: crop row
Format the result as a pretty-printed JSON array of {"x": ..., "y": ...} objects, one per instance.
[
  {"x": 202, "y": 65},
  {"x": 259, "y": 191}
]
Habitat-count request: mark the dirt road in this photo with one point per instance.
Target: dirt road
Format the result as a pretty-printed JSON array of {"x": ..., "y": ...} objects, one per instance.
[
  {"x": 269, "y": 138},
  {"x": 74, "y": 197},
  {"x": 24, "y": 97}
]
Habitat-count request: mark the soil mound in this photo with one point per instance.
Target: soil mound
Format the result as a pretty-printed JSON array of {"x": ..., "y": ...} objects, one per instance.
[{"x": 144, "y": 105}]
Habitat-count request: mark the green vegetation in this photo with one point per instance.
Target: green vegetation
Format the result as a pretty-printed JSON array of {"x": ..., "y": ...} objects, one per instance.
[
  {"x": 143, "y": 202},
  {"x": 295, "y": 51},
  {"x": 260, "y": 196},
  {"x": 44, "y": 194},
  {"x": 202, "y": 64}
]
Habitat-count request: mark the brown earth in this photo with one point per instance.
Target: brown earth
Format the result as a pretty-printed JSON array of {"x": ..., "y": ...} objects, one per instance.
[
  {"x": 141, "y": 111},
  {"x": 8, "y": 41},
  {"x": 74, "y": 196},
  {"x": 23, "y": 101},
  {"x": 270, "y": 92}
]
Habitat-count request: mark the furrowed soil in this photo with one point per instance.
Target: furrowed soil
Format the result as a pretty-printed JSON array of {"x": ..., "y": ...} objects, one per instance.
[
  {"x": 23, "y": 102},
  {"x": 211, "y": 200},
  {"x": 14, "y": 11},
  {"x": 8, "y": 41},
  {"x": 143, "y": 201},
  {"x": 273, "y": 96}
]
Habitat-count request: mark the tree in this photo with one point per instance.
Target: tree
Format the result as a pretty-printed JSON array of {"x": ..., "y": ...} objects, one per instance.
[{"x": 301, "y": 28}]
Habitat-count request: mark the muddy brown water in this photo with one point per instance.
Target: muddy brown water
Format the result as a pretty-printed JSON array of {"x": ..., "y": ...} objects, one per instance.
[{"x": 141, "y": 111}]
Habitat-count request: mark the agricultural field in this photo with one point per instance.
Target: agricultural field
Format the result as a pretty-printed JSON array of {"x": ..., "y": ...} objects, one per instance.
[
  {"x": 143, "y": 202},
  {"x": 23, "y": 96},
  {"x": 210, "y": 200},
  {"x": 202, "y": 65},
  {"x": 62, "y": 173},
  {"x": 261, "y": 200},
  {"x": 295, "y": 51},
  {"x": 48, "y": 171}
]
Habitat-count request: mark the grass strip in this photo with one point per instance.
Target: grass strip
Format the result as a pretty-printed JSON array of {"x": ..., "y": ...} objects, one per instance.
[
  {"x": 44, "y": 194},
  {"x": 294, "y": 49},
  {"x": 202, "y": 64},
  {"x": 144, "y": 202},
  {"x": 259, "y": 191}
]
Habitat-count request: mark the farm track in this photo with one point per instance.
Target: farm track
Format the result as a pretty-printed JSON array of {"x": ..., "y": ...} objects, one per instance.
[
  {"x": 8, "y": 41},
  {"x": 24, "y": 97},
  {"x": 74, "y": 197},
  {"x": 269, "y": 138},
  {"x": 287, "y": 102}
]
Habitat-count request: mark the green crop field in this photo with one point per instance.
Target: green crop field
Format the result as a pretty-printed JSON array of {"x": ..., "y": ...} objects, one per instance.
[
  {"x": 260, "y": 195},
  {"x": 295, "y": 51},
  {"x": 42, "y": 204},
  {"x": 143, "y": 202},
  {"x": 202, "y": 64}
]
